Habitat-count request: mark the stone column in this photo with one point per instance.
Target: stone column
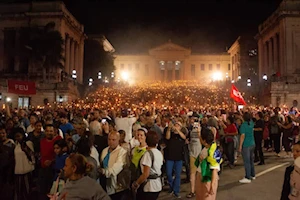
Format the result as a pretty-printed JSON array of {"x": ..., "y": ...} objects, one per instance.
[
  {"x": 173, "y": 71},
  {"x": 2, "y": 50},
  {"x": 72, "y": 55},
  {"x": 266, "y": 58},
  {"x": 275, "y": 53},
  {"x": 260, "y": 59},
  {"x": 271, "y": 65},
  {"x": 67, "y": 54},
  {"x": 76, "y": 56},
  {"x": 80, "y": 64}
]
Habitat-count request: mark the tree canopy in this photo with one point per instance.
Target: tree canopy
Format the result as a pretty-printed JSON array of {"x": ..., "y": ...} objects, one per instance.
[{"x": 96, "y": 59}]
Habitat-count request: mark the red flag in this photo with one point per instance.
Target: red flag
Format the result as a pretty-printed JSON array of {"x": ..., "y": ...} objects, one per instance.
[{"x": 236, "y": 95}]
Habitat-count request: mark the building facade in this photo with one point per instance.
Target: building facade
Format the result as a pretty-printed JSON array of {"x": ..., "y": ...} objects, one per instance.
[
  {"x": 14, "y": 17},
  {"x": 279, "y": 52},
  {"x": 170, "y": 62},
  {"x": 243, "y": 58}
]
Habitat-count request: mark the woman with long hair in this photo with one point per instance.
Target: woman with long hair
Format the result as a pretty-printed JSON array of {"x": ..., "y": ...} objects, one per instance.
[{"x": 247, "y": 146}]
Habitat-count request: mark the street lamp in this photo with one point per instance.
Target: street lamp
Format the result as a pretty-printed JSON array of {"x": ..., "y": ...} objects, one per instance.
[
  {"x": 60, "y": 99},
  {"x": 90, "y": 81},
  {"x": 74, "y": 75},
  {"x": 0, "y": 96},
  {"x": 112, "y": 75},
  {"x": 99, "y": 75},
  {"x": 265, "y": 77},
  {"x": 239, "y": 77},
  {"x": 8, "y": 99},
  {"x": 248, "y": 82}
]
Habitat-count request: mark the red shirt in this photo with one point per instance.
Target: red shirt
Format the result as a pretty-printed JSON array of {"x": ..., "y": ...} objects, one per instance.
[
  {"x": 47, "y": 150},
  {"x": 231, "y": 128}
]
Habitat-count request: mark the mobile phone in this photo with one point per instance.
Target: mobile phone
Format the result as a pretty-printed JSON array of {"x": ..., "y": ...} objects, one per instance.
[
  {"x": 103, "y": 121},
  {"x": 196, "y": 125}
]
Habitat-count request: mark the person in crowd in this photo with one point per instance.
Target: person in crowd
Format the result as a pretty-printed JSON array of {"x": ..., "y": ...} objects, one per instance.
[
  {"x": 266, "y": 133},
  {"x": 289, "y": 191},
  {"x": 173, "y": 156},
  {"x": 23, "y": 119},
  {"x": 258, "y": 137},
  {"x": 149, "y": 124},
  {"x": 78, "y": 185},
  {"x": 137, "y": 153},
  {"x": 113, "y": 160},
  {"x": 194, "y": 151},
  {"x": 208, "y": 162},
  {"x": 66, "y": 127},
  {"x": 83, "y": 147},
  {"x": 149, "y": 185},
  {"x": 125, "y": 123},
  {"x": 246, "y": 147},
  {"x": 134, "y": 142},
  {"x": 101, "y": 140},
  {"x": 7, "y": 166},
  {"x": 24, "y": 165},
  {"x": 123, "y": 143},
  {"x": 287, "y": 138},
  {"x": 46, "y": 172},
  {"x": 230, "y": 139},
  {"x": 33, "y": 119},
  {"x": 275, "y": 133}
]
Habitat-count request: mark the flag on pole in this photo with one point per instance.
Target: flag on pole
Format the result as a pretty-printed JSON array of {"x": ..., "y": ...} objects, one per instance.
[{"x": 236, "y": 95}]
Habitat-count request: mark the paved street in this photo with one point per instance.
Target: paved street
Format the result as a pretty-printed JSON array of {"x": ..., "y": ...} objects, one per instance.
[{"x": 266, "y": 186}]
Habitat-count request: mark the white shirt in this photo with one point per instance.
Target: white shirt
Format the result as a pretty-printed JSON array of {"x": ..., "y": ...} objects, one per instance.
[
  {"x": 153, "y": 185},
  {"x": 23, "y": 165},
  {"x": 126, "y": 125},
  {"x": 95, "y": 155}
]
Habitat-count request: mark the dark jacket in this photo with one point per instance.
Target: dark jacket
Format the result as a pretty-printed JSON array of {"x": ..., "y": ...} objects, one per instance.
[{"x": 286, "y": 188}]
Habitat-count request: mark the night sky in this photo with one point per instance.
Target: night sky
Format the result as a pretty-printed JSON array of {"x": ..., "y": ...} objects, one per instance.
[{"x": 206, "y": 26}]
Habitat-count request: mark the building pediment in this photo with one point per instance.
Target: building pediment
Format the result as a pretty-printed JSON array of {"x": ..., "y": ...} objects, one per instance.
[{"x": 169, "y": 48}]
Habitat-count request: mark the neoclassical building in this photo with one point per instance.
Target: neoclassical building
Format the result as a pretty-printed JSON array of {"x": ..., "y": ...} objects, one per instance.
[
  {"x": 279, "y": 52},
  {"x": 13, "y": 18},
  {"x": 169, "y": 62}
]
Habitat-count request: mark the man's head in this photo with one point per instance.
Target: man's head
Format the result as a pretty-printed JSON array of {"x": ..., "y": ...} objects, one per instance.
[
  {"x": 296, "y": 150},
  {"x": 38, "y": 126},
  {"x": 113, "y": 139},
  {"x": 33, "y": 119},
  {"x": 63, "y": 119},
  {"x": 3, "y": 135},
  {"x": 49, "y": 131}
]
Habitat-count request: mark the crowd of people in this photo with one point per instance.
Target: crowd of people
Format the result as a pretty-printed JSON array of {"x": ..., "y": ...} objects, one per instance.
[{"x": 127, "y": 143}]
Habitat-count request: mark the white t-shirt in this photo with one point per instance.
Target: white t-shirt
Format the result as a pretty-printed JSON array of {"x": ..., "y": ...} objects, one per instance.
[
  {"x": 153, "y": 185},
  {"x": 126, "y": 125}
]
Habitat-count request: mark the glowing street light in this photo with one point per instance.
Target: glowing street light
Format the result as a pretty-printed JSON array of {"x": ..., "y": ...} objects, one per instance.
[
  {"x": 217, "y": 76},
  {"x": 74, "y": 75},
  {"x": 112, "y": 74},
  {"x": 239, "y": 77},
  {"x": 99, "y": 75},
  {"x": 8, "y": 99},
  {"x": 248, "y": 84},
  {"x": 125, "y": 76},
  {"x": 90, "y": 81},
  {"x": 232, "y": 81},
  {"x": 265, "y": 77}
]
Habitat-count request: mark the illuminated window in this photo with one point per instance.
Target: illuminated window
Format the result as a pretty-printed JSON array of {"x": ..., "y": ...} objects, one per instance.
[
  {"x": 218, "y": 66},
  {"x": 210, "y": 67},
  {"x": 202, "y": 67},
  {"x": 193, "y": 70}
]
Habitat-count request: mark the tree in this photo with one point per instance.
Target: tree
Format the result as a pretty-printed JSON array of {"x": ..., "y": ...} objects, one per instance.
[
  {"x": 97, "y": 59},
  {"x": 45, "y": 45}
]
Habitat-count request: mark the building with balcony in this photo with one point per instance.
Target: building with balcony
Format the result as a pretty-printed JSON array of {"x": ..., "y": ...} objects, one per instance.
[{"x": 59, "y": 85}]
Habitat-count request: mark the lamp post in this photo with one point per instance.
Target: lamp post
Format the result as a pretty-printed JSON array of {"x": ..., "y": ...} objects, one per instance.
[
  {"x": 74, "y": 75},
  {"x": 90, "y": 81}
]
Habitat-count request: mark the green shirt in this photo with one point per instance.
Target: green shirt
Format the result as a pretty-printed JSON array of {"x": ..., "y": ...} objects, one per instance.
[{"x": 247, "y": 130}]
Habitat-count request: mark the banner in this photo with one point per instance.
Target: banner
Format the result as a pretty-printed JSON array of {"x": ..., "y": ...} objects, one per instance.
[
  {"x": 236, "y": 95},
  {"x": 21, "y": 87}
]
